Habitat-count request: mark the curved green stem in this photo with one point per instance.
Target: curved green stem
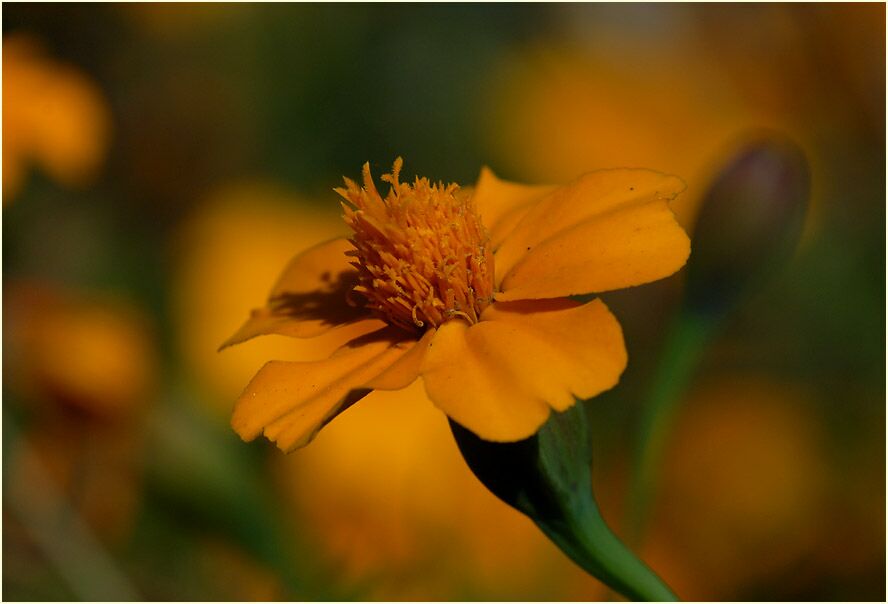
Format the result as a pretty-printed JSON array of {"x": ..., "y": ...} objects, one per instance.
[
  {"x": 586, "y": 539},
  {"x": 548, "y": 477}
]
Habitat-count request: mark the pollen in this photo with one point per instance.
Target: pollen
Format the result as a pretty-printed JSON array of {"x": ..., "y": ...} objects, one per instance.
[{"x": 422, "y": 253}]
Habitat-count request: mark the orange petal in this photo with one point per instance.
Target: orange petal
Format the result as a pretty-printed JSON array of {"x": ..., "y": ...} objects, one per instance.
[
  {"x": 405, "y": 370},
  {"x": 290, "y": 401},
  {"x": 608, "y": 230},
  {"x": 501, "y": 204},
  {"x": 309, "y": 298},
  {"x": 634, "y": 245},
  {"x": 499, "y": 377}
]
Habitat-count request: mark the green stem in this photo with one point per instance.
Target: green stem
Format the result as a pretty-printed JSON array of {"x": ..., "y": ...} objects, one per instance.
[
  {"x": 548, "y": 477},
  {"x": 685, "y": 344},
  {"x": 585, "y": 537}
]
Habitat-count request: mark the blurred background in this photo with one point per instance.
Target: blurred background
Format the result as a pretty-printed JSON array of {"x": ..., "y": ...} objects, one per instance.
[{"x": 161, "y": 163}]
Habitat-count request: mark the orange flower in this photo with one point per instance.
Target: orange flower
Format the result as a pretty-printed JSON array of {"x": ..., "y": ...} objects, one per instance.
[
  {"x": 83, "y": 369},
  {"x": 53, "y": 116},
  {"x": 469, "y": 291}
]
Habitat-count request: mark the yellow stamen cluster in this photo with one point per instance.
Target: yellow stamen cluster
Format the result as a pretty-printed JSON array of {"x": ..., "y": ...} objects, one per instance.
[{"x": 421, "y": 252}]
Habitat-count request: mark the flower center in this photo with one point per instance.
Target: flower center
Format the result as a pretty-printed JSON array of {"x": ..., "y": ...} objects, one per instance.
[{"x": 421, "y": 252}]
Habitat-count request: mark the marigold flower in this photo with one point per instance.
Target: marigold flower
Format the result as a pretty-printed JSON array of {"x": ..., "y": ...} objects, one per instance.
[
  {"x": 53, "y": 116},
  {"x": 82, "y": 368},
  {"x": 469, "y": 291}
]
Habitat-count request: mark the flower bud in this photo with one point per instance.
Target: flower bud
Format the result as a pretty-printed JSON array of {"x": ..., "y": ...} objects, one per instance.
[{"x": 749, "y": 224}]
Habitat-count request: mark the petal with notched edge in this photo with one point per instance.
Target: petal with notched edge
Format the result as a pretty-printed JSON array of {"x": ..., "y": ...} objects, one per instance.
[
  {"x": 500, "y": 377},
  {"x": 629, "y": 246},
  {"x": 289, "y": 402},
  {"x": 611, "y": 229}
]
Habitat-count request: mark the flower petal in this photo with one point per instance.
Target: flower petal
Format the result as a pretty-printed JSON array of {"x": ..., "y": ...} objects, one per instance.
[
  {"x": 631, "y": 246},
  {"x": 608, "y": 230},
  {"x": 309, "y": 298},
  {"x": 499, "y": 377},
  {"x": 291, "y": 401},
  {"x": 501, "y": 204},
  {"x": 406, "y": 369}
]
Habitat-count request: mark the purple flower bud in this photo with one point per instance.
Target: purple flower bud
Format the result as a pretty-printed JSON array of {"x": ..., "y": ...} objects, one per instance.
[{"x": 749, "y": 224}]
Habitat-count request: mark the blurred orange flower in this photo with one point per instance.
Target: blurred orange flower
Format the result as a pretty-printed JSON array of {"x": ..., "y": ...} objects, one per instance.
[
  {"x": 466, "y": 308},
  {"x": 91, "y": 354},
  {"x": 83, "y": 369},
  {"x": 53, "y": 116},
  {"x": 747, "y": 469},
  {"x": 557, "y": 108}
]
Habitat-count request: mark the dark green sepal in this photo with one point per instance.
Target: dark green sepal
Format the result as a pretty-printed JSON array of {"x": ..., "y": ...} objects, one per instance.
[{"x": 548, "y": 478}]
